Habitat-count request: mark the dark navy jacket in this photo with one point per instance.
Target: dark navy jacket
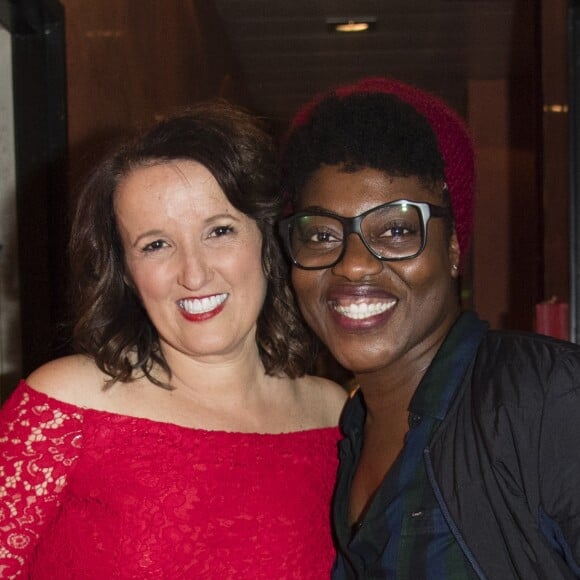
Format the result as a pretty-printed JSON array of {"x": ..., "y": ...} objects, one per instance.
[{"x": 505, "y": 462}]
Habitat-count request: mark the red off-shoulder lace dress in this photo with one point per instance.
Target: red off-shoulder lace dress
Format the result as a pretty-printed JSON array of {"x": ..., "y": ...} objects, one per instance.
[{"x": 90, "y": 494}]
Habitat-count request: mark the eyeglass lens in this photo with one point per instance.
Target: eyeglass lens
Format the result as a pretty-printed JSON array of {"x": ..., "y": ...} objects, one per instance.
[{"x": 392, "y": 231}]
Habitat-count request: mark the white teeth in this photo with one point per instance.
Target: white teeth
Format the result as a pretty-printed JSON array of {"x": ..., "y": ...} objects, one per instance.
[
  {"x": 363, "y": 310},
  {"x": 202, "y": 305}
]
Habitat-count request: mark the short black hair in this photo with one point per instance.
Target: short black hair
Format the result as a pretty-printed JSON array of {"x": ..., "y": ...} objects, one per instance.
[{"x": 375, "y": 130}]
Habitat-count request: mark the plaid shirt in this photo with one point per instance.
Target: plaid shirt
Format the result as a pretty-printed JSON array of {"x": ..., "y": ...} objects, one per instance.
[{"x": 403, "y": 535}]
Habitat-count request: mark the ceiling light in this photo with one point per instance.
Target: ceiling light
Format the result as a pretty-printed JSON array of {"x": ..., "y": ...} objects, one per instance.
[
  {"x": 352, "y": 26},
  {"x": 355, "y": 24},
  {"x": 555, "y": 108}
]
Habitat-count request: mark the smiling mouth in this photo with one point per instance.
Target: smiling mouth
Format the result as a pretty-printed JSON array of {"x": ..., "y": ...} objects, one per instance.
[
  {"x": 362, "y": 310},
  {"x": 202, "y": 305}
]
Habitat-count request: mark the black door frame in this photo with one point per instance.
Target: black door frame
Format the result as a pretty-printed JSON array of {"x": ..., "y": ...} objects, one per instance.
[{"x": 40, "y": 143}]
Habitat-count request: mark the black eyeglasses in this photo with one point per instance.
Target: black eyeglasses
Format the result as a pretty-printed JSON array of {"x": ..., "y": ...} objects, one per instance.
[{"x": 393, "y": 231}]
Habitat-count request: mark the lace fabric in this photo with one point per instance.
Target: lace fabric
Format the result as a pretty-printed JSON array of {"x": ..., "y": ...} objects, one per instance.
[
  {"x": 93, "y": 495},
  {"x": 39, "y": 445}
]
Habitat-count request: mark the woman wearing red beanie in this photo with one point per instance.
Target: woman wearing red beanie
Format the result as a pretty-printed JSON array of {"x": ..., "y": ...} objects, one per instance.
[{"x": 460, "y": 457}]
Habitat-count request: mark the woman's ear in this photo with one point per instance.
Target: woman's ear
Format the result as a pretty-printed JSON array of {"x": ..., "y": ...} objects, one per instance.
[
  {"x": 130, "y": 285},
  {"x": 454, "y": 255}
]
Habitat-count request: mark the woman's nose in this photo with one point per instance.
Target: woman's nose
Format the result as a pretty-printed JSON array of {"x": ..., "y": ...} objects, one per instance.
[
  {"x": 357, "y": 262},
  {"x": 194, "y": 270}
]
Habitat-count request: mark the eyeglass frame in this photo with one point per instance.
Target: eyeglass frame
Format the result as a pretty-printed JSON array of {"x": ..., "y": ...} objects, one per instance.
[{"x": 352, "y": 225}]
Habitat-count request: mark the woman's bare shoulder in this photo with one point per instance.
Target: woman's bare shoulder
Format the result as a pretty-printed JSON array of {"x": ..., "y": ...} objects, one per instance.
[
  {"x": 73, "y": 379},
  {"x": 325, "y": 397}
]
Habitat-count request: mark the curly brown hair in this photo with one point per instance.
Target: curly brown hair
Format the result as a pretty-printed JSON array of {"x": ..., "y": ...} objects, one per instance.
[{"x": 110, "y": 324}]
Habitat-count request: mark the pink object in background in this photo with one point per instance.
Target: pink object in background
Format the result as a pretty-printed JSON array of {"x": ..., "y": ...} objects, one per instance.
[{"x": 552, "y": 319}]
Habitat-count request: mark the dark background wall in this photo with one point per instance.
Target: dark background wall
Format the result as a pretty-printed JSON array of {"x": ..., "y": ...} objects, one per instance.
[{"x": 128, "y": 63}]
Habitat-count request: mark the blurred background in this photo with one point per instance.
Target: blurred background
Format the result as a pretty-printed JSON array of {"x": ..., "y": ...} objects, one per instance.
[{"x": 76, "y": 76}]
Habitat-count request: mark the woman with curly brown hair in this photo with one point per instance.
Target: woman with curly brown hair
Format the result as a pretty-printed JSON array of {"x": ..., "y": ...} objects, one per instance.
[{"x": 184, "y": 440}]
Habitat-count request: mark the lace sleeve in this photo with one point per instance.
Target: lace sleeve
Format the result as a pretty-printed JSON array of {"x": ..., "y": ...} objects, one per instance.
[{"x": 40, "y": 440}]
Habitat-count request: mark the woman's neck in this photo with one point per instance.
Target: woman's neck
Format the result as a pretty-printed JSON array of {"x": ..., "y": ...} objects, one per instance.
[
  {"x": 388, "y": 391},
  {"x": 231, "y": 376}
]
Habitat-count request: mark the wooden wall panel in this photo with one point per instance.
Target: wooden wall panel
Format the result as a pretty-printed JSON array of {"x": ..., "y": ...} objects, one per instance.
[
  {"x": 508, "y": 249},
  {"x": 555, "y": 149},
  {"x": 131, "y": 62},
  {"x": 488, "y": 120}
]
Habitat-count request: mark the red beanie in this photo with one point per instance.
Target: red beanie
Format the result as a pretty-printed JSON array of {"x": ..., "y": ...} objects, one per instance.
[{"x": 452, "y": 137}]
